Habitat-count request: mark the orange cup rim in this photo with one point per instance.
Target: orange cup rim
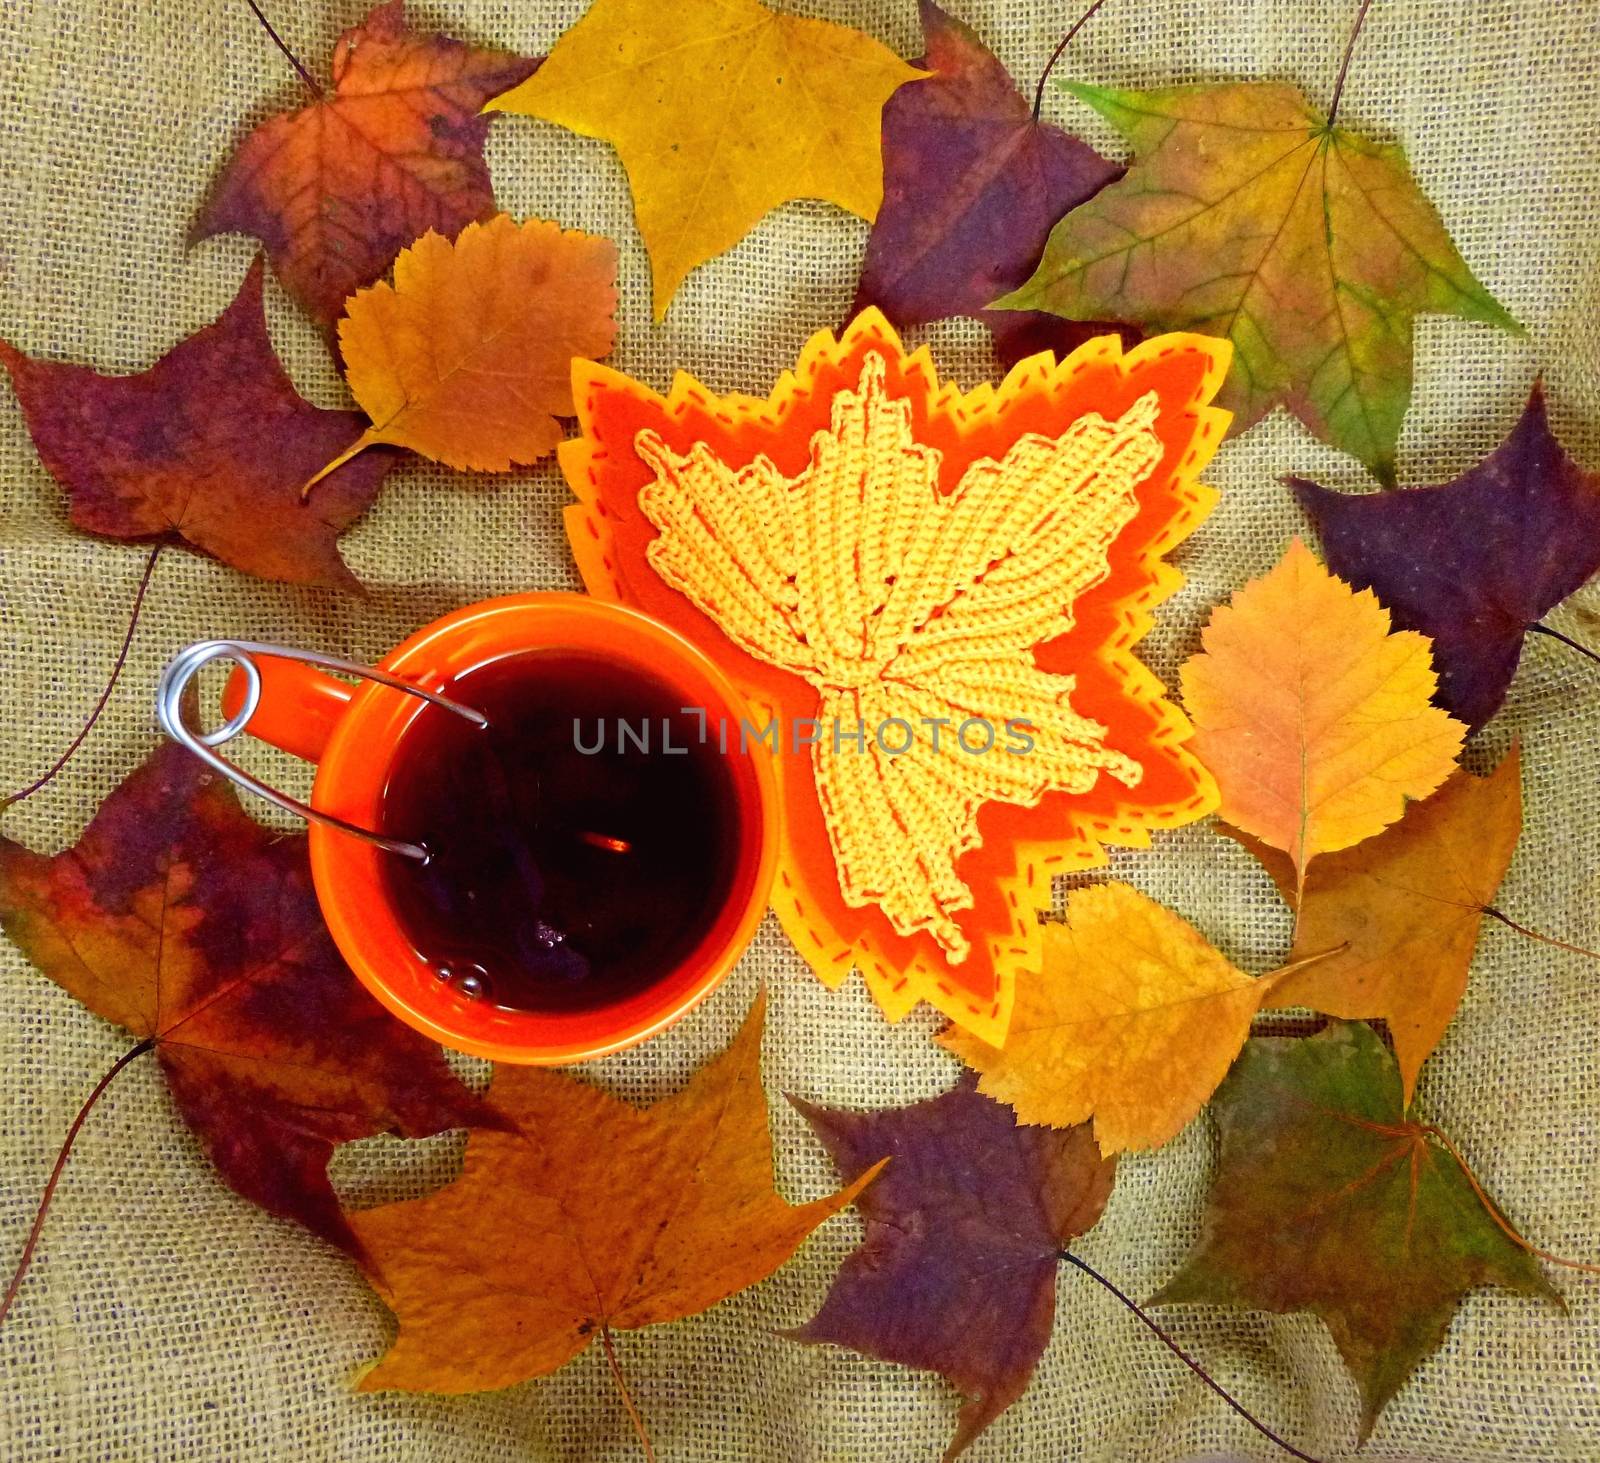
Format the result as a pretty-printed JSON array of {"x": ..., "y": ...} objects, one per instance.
[{"x": 349, "y": 884}]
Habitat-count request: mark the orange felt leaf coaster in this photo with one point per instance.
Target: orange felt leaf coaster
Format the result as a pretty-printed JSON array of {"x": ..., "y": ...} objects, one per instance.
[{"x": 936, "y": 597}]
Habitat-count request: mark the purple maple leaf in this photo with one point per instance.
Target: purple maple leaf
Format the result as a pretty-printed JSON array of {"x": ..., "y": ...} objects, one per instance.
[
  {"x": 1473, "y": 563},
  {"x": 212, "y": 445},
  {"x": 972, "y": 186},
  {"x": 965, "y": 1229},
  {"x": 274, "y": 1052}
]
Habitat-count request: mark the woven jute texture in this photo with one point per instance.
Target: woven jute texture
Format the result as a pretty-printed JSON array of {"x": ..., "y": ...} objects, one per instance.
[{"x": 167, "y": 1319}]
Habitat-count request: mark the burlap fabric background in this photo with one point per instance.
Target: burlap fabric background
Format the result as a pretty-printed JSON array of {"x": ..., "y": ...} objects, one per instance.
[{"x": 167, "y": 1319}]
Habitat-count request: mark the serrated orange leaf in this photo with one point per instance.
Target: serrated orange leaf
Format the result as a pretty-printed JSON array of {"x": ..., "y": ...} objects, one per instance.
[
  {"x": 593, "y": 1214},
  {"x": 1401, "y": 912},
  {"x": 720, "y": 110},
  {"x": 875, "y": 556},
  {"x": 1312, "y": 715},
  {"x": 467, "y": 356},
  {"x": 1133, "y": 1020}
]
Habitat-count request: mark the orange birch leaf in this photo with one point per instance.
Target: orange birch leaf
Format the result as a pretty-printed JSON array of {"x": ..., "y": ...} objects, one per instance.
[
  {"x": 871, "y": 553},
  {"x": 337, "y": 189},
  {"x": 467, "y": 357},
  {"x": 593, "y": 1213},
  {"x": 1406, "y": 907},
  {"x": 1312, "y": 715}
]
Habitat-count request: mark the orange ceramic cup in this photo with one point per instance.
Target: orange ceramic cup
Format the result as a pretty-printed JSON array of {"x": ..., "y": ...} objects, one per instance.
[{"x": 352, "y": 732}]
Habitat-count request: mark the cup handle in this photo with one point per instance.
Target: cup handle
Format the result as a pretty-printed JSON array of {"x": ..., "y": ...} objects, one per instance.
[
  {"x": 296, "y": 706},
  {"x": 296, "y": 693}
]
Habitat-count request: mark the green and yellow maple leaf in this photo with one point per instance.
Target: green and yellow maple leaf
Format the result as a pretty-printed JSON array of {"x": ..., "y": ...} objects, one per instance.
[
  {"x": 1329, "y": 1199},
  {"x": 1249, "y": 215}
]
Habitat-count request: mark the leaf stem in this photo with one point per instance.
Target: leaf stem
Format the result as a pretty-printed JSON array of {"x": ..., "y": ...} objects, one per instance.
[
  {"x": 1299, "y": 890},
  {"x": 627, "y": 1397},
  {"x": 105, "y": 695},
  {"x": 61, "y": 1163},
  {"x": 1344, "y": 66},
  {"x": 1186, "y": 1359},
  {"x": 279, "y": 42},
  {"x": 1306, "y": 961},
  {"x": 1511, "y": 924},
  {"x": 1496, "y": 1215},
  {"x": 361, "y": 443},
  {"x": 1055, "y": 55},
  {"x": 1540, "y": 628}
]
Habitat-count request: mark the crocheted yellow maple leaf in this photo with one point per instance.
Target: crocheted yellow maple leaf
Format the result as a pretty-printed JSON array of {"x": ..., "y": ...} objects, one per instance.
[
  {"x": 911, "y": 608},
  {"x": 935, "y": 597}
]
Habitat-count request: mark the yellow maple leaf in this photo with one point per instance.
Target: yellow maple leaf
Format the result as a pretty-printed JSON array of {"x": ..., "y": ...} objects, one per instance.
[
  {"x": 970, "y": 581},
  {"x": 1133, "y": 1020},
  {"x": 720, "y": 110},
  {"x": 1315, "y": 719},
  {"x": 814, "y": 550}
]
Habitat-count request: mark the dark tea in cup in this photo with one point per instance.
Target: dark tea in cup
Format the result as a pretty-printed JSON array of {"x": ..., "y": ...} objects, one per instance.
[
  {"x": 559, "y": 884},
  {"x": 580, "y": 846}
]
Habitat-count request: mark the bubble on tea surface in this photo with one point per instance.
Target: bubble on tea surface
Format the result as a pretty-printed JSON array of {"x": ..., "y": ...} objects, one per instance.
[
  {"x": 547, "y": 936},
  {"x": 470, "y": 982}
]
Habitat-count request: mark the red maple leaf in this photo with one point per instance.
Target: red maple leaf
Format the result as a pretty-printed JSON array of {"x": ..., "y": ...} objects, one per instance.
[
  {"x": 336, "y": 190},
  {"x": 212, "y": 445}
]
